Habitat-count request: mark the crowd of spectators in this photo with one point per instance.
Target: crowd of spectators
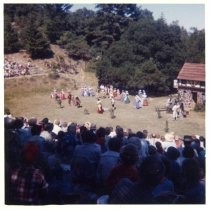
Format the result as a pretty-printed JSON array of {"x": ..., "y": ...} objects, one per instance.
[
  {"x": 66, "y": 163},
  {"x": 14, "y": 69}
]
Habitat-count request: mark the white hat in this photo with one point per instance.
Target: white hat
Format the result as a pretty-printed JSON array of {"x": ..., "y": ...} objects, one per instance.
[{"x": 169, "y": 136}]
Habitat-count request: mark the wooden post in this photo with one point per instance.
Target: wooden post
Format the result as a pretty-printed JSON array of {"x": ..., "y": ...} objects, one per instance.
[{"x": 166, "y": 127}]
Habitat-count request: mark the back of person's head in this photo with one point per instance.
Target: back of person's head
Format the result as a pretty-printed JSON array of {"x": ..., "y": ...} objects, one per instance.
[
  {"x": 191, "y": 170},
  {"x": 88, "y": 136},
  {"x": 93, "y": 127},
  {"x": 82, "y": 129},
  {"x": 145, "y": 132},
  {"x": 152, "y": 150},
  {"x": 45, "y": 120},
  {"x": 60, "y": 135},
  {"x": 129, "y": 154},
  {"x": 19, "y": 122},
  {"x": 158, "y": 144},
  {"x": 152, "y": 170},
  {"x": 108, "y": 130},
  {"x": 135, "y": 141},
  {"x": 30, "y": 152},
  {"x": 36, "y": 130},
  {"x": 187, "y": 140},
  {"x": 203, "y": 140},
  {"x": 57, "y": 122},
  {"x": 32, "y": 121},
  {"x": 119, "y": 131},
  {"x": 9, "y": 123},
  {"x": 72, "y": 128},
  {"x": 172, "y": 153},
  {"x": 114, "y": 144},
  {"x": 188, "y": 152},
  {"x": 140, "y": 134},
  {"x": 48, "y": 127},
  {"x": 101, "y": 132}
]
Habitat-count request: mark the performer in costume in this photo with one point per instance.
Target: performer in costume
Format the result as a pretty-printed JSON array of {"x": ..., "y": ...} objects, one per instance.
[
  {"x": 126, "y": 99},
  {"x": 100, "y": 109},
  {"x": 69, "y": 98},
  {"x": 137, "y": 102},
  {"x": 58, "y": 100},
  {"x": 62, "y": 95},
  {"x": 77, "y": 102}
]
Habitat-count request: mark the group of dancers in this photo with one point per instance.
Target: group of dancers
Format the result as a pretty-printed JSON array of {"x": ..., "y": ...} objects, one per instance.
[
  {"x": 60, "y": 96},
  {"x": 123, "y": 96},
  {"x": 141, "y": 99},
  {"x": 107, "y": 92},
  {"x": 176, "y": 107},
  {"x": 87, "y": 91},
  {"x": 111, "y": 92}
]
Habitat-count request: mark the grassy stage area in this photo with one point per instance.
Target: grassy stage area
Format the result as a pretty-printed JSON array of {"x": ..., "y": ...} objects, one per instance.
[{"x": 30, "y": 97}]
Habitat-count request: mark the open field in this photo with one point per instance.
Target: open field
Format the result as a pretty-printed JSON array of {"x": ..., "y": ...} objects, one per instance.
[{"x": 31, "y": 98}]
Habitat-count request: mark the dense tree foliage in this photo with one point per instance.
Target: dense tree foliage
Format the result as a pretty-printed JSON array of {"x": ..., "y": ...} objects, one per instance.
[
  {"x": 122, "y": 42},
  {"x": 11, "y": 42},
  {"x": 35, "y": 42}
]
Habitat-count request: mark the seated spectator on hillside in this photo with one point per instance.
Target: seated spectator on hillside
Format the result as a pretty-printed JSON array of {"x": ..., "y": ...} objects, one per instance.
[
  {"x": 152, "y": 184},
  {"x": 24, "y": 133},
  {"x": 46, "y": 132},
  {"x": 40, "y": 141},
  {"x": 120, "y": 133},
  {"x": 108, "y": 160},
  {"x": 69, "y": 140},
  {"x": 137, "y": 143},
  {"x": 193, "y": 187},
  {"x": 159, "y": 147},
  {"x": 196, "y": 144},
  {"x": 56, "y": 127},
  {"x": 144, "y": 143},
  {"x": 100, "y": 138},
  {"x": 174, "y": 169},
  {"x": 169, "y": 141},
  {"x": 187, "y": 152},
  {"x": 28, "y": 184},
  {"x": 126, "y": 168},
  {"x": 85, "y": 159}
]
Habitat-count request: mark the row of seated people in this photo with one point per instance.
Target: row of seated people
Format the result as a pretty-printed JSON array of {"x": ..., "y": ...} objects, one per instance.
[
  {"x": 53, "y": 163},
  {"x": 13, "y": 69}
]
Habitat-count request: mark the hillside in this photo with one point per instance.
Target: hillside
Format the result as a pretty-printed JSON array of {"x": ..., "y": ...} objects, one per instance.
[{"x": 39, "y": 66}]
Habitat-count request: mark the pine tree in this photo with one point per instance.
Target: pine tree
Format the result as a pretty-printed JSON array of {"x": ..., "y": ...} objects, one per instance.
[
  {"x": 11, "y": 43},
  {"x": 35, "y": 42}
]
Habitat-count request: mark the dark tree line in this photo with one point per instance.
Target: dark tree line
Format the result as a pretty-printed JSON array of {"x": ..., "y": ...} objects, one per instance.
[{"x": 122, "y": 42}]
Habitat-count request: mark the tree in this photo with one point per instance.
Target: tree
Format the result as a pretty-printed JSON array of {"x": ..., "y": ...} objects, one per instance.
[
  {"x": 55, "y": 20},
  {"x": 11, "y": 42},
  {"x": 195, "y": 46},
  {"x": 35, "y": 42}
]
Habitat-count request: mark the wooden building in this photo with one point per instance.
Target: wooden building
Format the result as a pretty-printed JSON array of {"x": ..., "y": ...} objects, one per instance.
[{"x": 191, "y": 84}]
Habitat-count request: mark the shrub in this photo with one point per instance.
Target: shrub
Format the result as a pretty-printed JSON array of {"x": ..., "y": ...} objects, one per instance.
[
  {"x": 54, "y": 75},
  {"x": 199, "y": 108}
]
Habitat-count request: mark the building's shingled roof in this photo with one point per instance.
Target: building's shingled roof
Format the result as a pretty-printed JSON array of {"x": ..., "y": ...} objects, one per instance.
[{"x": 192, "y": 71}]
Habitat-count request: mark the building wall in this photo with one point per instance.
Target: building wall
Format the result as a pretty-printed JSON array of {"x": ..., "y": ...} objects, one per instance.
[{"x": 187, "y": 96}]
